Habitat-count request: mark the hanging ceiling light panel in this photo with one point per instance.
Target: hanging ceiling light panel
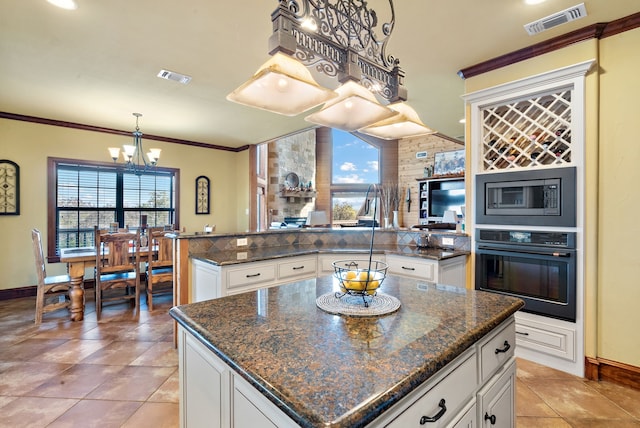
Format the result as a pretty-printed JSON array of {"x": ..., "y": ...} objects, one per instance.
[
  {"x": 354, "y": 108},
  {"x": 405, "y": 124},
  {"x": 281, "y": 85}
]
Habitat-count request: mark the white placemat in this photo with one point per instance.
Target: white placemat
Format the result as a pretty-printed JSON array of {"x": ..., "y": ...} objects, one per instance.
[{"x": 380, "y": 304}]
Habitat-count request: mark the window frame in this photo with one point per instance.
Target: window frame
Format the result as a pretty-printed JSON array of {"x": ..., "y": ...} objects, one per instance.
[{"x": 52, "y": 169}]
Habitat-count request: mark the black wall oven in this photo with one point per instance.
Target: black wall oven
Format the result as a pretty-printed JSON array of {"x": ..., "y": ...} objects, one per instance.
[{"x": 537, "y": 266}]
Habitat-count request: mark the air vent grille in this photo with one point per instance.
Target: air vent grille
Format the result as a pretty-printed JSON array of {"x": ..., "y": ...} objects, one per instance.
[
  {"x": 176, "y": 77},
  {"x": 546, "y": 23}
]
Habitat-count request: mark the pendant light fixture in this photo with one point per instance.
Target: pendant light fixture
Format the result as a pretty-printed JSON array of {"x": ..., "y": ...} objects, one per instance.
[
  {"x": 281, "y": 85},
  {"x": 342, "y": 44},
  {"x": 133, "y": 154},
  {"x": 354, "y": 107},
  {"x": 404, "y": 124}
]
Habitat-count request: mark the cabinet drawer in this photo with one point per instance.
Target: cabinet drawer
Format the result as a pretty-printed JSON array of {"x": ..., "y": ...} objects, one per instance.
[
  {"x": 450, "y": 393},
  {"x": 546, "y": 338},
  {"x": 250, "y": 275},
  {"x": 405, "y": 266},
  {"x": 300, "y": 267},
  {"x": 326, "y": 261},
  {"x": 497, "y": 350}
]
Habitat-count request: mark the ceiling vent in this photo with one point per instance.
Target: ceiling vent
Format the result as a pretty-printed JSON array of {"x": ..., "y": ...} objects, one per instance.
[
  {"x": 176, "y": 77},
  {"x": 567, "y": 15}
]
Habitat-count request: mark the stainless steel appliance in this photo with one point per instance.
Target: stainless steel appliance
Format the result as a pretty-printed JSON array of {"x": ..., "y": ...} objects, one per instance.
[
  {"x": 545, "y": 197},
  {"x": 537, "y": 266}
]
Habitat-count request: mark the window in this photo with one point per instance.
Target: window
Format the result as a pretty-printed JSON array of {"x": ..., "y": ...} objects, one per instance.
[
  {"x": 92, "y": 194},
  {"x": 355, "y": 166}
]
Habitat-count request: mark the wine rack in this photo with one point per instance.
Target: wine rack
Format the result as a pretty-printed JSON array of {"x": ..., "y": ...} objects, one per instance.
[{"x": 527, "y": 133}]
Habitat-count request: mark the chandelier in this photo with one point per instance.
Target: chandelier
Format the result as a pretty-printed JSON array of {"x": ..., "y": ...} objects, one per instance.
[
  {"x": 335, "y": 38},
  {"x": 133, "y": 154}
]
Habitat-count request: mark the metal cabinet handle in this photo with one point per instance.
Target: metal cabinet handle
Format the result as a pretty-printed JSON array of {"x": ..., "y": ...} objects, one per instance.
[
  {"x": 443, "y": 409},
  {"x": 253, "y": 276},
  {"x": 298, "y": 267},
  {"x": 408, "y": 268},
  {"x": 505, "y": 348},
  {"x": 491, "y": 418},
  {"x": 523, "y": 333}
]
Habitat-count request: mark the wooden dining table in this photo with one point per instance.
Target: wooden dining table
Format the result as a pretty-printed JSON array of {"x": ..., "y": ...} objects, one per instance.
[{"x": 77, "y": 260}]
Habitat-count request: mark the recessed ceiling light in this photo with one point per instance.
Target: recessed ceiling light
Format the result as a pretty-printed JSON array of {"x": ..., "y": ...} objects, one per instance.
[
  {"x": 534, "y": 1},
  {"x": 64, "y": 4}
]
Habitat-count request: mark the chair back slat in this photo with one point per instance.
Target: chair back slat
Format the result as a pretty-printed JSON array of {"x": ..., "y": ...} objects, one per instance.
[{"x": 41, "y": 269}]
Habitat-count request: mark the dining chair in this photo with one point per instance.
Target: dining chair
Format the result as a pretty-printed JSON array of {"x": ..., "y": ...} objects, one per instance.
[
  {"x": 117, "y": 268},
  {"x": 159, "y": 273},
  {"x": 52, "y": 291}
]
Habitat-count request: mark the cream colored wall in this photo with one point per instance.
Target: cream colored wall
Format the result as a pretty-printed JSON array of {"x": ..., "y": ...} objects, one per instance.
[
  {"x": 611, "y": 262},
  {"x": 30, "y": 144},
  {"x": 619, "y": 190}
]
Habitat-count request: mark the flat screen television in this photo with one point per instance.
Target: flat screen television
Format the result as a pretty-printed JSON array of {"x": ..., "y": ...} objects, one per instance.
[{"x": 445, "y": 195}]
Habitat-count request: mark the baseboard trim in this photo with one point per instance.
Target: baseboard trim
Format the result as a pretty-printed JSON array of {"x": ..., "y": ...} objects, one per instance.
[
  {"x": 612, "y": 371},
  {"x": 30, "y": 291}
]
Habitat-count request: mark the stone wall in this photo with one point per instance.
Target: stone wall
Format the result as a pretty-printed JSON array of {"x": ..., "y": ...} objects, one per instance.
[{"x": 295, "y": 153}]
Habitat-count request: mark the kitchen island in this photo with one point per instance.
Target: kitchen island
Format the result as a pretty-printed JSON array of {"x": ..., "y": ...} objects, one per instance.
[{"x": 271, "y": 357}]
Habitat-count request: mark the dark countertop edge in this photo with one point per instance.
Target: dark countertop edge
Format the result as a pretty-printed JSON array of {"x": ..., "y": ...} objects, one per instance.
[
  {"x": 385, "y": 401},
  {"x": 299, "y": 251}
]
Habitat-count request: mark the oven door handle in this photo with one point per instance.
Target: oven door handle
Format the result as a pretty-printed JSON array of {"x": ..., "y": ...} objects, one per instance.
[{"x": 520, "y": 251}]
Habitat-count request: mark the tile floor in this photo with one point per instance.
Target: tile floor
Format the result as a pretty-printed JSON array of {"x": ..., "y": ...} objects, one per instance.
[{"x": 122, "y": 372}]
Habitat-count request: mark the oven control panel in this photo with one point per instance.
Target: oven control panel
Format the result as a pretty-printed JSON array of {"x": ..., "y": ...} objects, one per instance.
[{"x": 524, "y": 237}]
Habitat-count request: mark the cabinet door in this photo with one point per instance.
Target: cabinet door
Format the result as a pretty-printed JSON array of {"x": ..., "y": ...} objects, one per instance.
[
  {"x": 467, "y": 417},
  {"x": 205, "y": 283},
  {"x": 202, "y": 381},
  {"x": 453, "y": 271},
  {"x": 413, "y": 267},
  {"x": 496, "y": 400}
]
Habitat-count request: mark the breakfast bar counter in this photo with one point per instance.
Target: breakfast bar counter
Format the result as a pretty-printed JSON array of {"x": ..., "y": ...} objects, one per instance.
[{"x": 274, "y": 358}]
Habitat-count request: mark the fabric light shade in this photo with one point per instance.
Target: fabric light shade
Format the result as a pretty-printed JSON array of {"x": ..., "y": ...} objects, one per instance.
[
  {"x": 354, "y": 108},
  {"x": 405, "y": 124},
  {"x": 281, "y": 85}
]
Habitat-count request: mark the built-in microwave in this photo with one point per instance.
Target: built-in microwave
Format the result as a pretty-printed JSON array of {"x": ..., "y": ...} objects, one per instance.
[{"x": 545, "y": 197}]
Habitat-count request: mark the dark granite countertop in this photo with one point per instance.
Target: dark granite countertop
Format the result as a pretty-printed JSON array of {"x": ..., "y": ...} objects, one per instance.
[
  {"x": 338, "y": 371},
  {"x": 222, "y": 258}
]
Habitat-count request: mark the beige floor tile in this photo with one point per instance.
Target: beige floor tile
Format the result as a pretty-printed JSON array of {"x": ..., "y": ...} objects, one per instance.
[
  {"x": 539, "y": 422},
  {"x": 602, "y": 423},
  {"x": 20, "y": 378},
  {"x": 157, "y": 415},
  {"x": 575, "y": 399},
  {"x": 625, "y": 397},
  {"x": 161, "y": 354},
  {"x": 148, "y": 332},
  {"x": 28, "y": 349},
  {"x": 169, "y": 392},
  {"x": 77, "y": 381},
  {"x": 132, "y": 383},
  {"x": 73, "y": 351},
  {"x": 118, "y": 353},
  {"x": 66, "y": 330},
  {"x": 528, "y": 370},
  {"x": 109, "y": 331},
  {"x": 529, "y": 404},
  {"x": 33, "y": 412},
  {"x": 97, "y": 414}
]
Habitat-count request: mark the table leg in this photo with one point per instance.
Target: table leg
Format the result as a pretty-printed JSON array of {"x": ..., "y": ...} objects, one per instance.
[{"x": 76, "y": 294}]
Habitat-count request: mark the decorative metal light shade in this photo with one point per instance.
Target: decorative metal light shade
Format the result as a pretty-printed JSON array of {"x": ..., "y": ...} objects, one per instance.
[
  {"x": 354, "y": 108},
  {"x": 281, "y": 85},
  {"x": 133, "y": 154},
  {"x": 403, "y": 125}
]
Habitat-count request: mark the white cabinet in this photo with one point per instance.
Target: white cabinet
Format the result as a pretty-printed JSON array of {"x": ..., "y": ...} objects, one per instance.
[
  {"x": 451, "y": 271},
  {"x": 211, "y": 281},
  {"x": 547, "y": 336},
  {"x": 496, "y": 401},
  {"x": 205, "y": 281},
  {"x": 204, "y": 380}
]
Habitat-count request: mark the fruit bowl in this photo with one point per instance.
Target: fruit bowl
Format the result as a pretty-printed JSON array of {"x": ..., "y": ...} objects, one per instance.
[{"x": 359, "y": 277}]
